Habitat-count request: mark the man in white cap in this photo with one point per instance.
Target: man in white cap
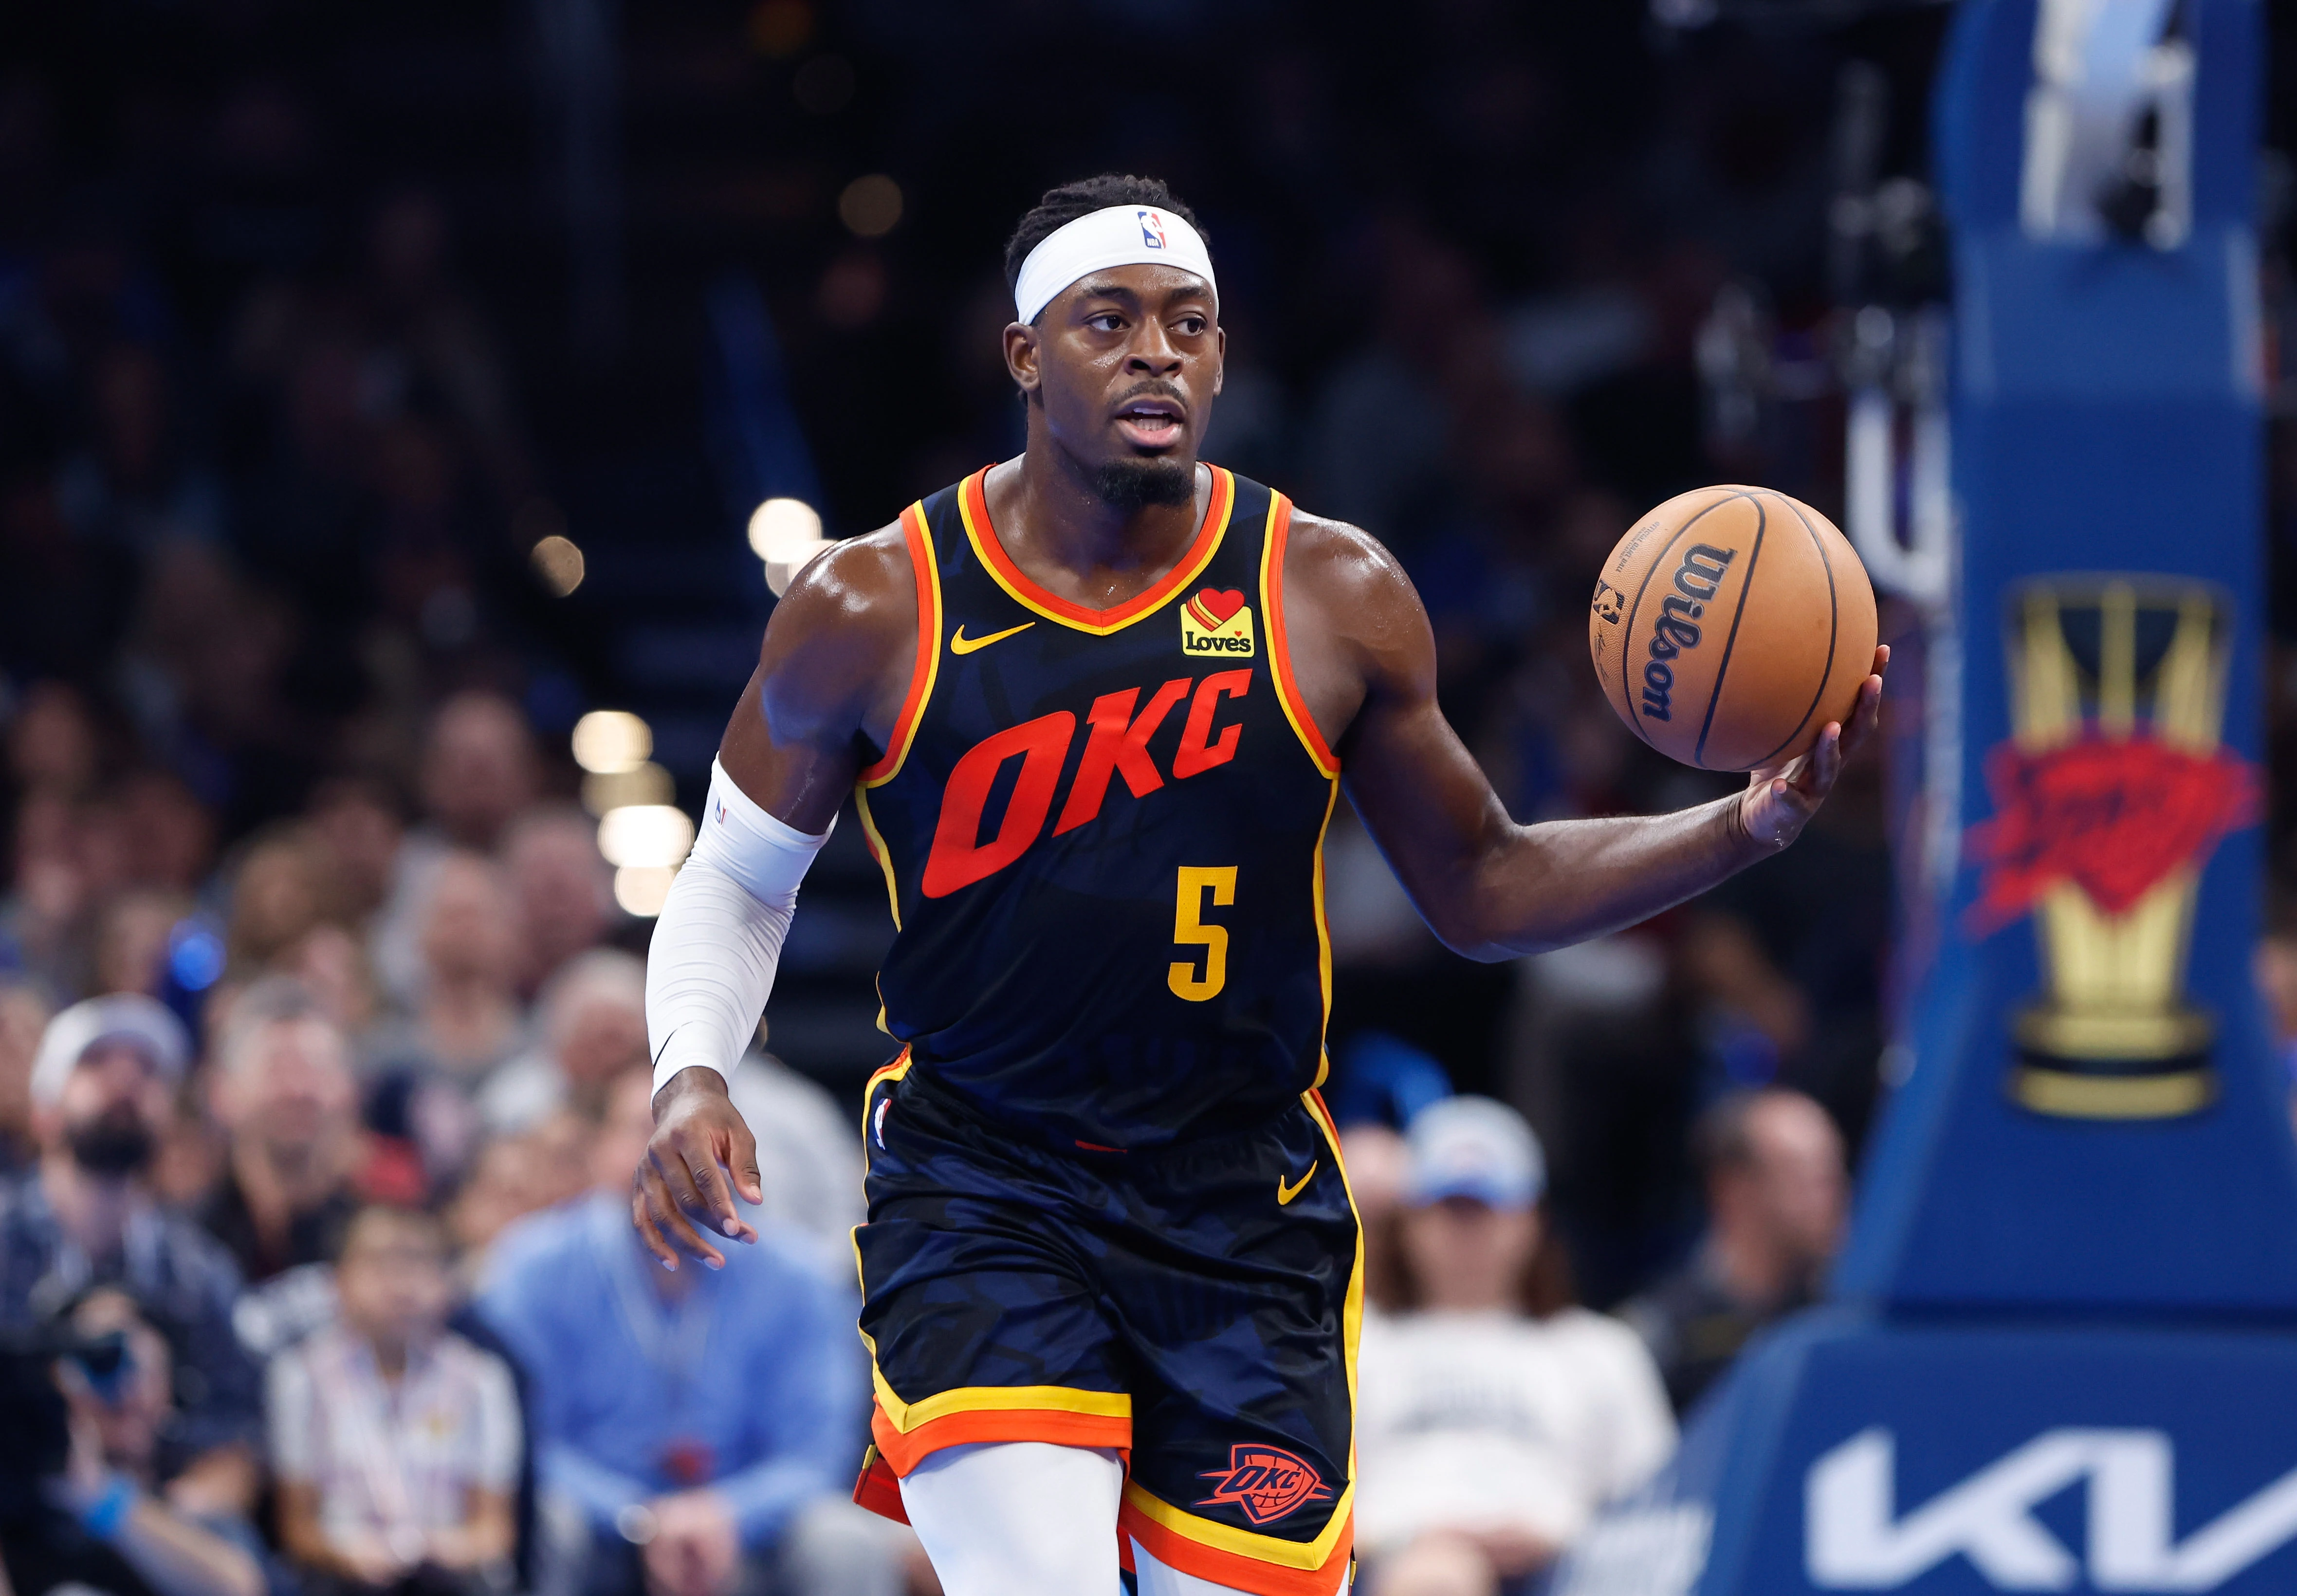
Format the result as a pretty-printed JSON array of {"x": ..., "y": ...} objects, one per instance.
[
  {"x": 1095, "y": 703},
  {"x": 103, "y": 1087}
]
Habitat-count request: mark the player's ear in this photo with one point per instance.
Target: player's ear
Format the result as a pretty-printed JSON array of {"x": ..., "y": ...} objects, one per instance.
[
  {"x": 1021, "y": 357},
  {"x": 1220, "y": 356}
]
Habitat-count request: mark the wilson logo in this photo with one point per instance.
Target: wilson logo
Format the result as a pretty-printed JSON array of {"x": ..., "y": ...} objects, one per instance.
[
  {"x": 1116, "y": 744},
  {"x": 1267, "y": 1482},
  {"x": 1217, "y": 623},
  {"x": 1696, "y": 579}
]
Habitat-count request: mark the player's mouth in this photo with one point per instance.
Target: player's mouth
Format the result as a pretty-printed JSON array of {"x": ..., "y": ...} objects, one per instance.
[{"x": 1151, "y": 424}]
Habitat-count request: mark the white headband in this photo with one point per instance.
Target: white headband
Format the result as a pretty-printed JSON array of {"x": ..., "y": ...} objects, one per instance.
[{"x": 1120, "y": 236}]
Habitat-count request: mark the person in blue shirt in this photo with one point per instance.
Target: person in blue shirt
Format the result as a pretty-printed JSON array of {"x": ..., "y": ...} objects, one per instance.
[{"x": 700, "y": 1424}]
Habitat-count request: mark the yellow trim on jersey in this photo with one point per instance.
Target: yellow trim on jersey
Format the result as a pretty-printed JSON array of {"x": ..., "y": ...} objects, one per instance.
[
  {"x": 1279, "y": 647},
  {"x": 1352, "y": 1317},
  {"x": 1323, "y": 937},
  {"x": 878, "y": 850},
  {"x": 1245, "y": 1543},
  {"x": 913, "y": 714},
  {"x": 906, "y": 1416},
  {"x": 1179, "y": 581}
]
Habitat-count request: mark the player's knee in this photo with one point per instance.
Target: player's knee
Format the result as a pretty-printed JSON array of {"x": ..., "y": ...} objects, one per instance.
[{"x": 1435, "y": 1566}]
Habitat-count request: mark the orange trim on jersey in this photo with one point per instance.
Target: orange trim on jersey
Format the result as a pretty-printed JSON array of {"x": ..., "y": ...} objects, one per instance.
[
  {"x": 918, "y": 536},
  {"x": 891, "y": 1072},
  {"x": 1279, "y": 647},
  {"x": 904, "y": 1450},
  {"x": 973, "y": 504},
  {"x": 1238, "y": 1559}
]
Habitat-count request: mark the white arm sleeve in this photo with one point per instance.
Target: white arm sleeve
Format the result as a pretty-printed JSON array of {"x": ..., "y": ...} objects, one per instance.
[{"x": 710, "y": 966}]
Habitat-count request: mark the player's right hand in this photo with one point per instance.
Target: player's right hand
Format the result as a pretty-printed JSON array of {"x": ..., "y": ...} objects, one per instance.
[{"x": 683, "y": 1181}]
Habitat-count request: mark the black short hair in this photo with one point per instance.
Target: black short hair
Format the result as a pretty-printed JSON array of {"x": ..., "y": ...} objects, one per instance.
[{"x": 1062, "y": 205}]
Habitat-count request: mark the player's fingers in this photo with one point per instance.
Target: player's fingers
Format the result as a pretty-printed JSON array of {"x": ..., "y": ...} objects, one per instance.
[
  {"x": 1881, "y": 658},
  {"x": 670, "y": 1190},
  {"x": 714, "y": 1191},
  {"x": 642, "y": 1221},
  {"x": 743, "y": 1160}
]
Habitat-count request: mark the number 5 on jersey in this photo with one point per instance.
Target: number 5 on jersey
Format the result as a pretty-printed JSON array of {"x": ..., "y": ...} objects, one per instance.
[{"x": 1190, "y": 930}]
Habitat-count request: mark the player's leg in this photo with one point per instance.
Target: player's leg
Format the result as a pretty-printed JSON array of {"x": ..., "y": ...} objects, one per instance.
[
  {"x": 1160, "y": 1579},
  {"x": 1235, "y": 1282},
  {"x": 1018, "y": 1518}
]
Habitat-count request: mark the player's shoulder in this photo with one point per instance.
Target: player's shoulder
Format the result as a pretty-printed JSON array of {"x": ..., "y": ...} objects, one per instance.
[
  {"x": 856, "y": 578},
  {"x": 1339, "y": 560}
]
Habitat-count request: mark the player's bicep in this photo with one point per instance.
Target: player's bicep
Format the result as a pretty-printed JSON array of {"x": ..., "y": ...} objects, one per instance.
[
  {"x": 1418, "y": 791},
  {"x": 838, "y": 645}
]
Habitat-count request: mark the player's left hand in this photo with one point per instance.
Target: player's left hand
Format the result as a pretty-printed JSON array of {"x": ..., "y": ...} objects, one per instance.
[{"x": 1781, "y": 799}]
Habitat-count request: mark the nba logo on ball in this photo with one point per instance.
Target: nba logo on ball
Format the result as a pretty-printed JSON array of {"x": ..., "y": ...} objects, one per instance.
[
  {"x": 1152, "y": 230},
  {"x": 1215, "y": 623}
]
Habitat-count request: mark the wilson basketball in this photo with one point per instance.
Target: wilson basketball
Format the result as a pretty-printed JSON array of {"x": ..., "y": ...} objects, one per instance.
[{"x": 1730, "y": 625}]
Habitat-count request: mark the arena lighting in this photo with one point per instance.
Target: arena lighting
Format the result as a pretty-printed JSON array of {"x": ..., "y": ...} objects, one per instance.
[
  {"x": 558, "y": 563},
  {"x": 870, "y": 206},
  {"x": 640, "y": 836},
  {"x": 612, "y": 742},
  {"x": 648, "y": 783},
  {"x": 786, "y": 533},
  {"x": 641, "y": 890}
]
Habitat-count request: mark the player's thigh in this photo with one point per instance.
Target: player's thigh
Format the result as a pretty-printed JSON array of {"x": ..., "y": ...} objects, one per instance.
[
  {"x": 1239, "y": 1306},
  {"x": 1018, "y": 1518},
  {"x": 979, "y": 1301}
]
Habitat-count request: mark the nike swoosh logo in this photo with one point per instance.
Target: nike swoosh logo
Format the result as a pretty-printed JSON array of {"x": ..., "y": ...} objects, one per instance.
[
  {"x": 959, "y": 642},
  {"x": 1285, "y": 1194}
]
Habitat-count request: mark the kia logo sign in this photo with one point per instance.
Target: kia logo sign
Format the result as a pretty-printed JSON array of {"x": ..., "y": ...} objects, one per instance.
[{"x": 1857, "y": 1540}]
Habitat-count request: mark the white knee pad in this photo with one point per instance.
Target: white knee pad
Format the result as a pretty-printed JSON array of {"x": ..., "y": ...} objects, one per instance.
[{"x": 1018, "y": 1518}]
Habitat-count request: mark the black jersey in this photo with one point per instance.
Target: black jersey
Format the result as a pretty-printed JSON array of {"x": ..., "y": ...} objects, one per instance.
[{"x": 1102, "y": 833}]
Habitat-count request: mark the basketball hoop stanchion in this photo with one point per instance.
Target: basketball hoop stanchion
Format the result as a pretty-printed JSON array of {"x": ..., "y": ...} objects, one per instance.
[{"x": 2061, "y": 1348}]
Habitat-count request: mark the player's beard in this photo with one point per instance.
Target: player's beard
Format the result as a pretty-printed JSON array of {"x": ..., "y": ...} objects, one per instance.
[
  {"x": 1137, "y": 484},
  {"x": 114, "y": 1144}
]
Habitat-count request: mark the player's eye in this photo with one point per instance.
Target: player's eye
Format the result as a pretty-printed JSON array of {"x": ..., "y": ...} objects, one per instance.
[
  {"x": 1105, "y": 321},
  {"x": 1192, "y": 326}
]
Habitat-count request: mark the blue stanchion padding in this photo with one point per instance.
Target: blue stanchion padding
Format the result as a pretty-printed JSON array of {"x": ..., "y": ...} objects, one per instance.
[
  {"x": 1847, "y": 1453},
  {"x": 2095, "y": 1120}
]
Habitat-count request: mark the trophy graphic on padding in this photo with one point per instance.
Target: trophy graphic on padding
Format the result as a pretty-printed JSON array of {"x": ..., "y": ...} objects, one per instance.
[{"x": 2109, "y": 798}]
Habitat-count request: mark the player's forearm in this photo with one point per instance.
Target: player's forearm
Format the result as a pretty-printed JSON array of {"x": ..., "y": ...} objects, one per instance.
[
  {"x": 711, "y": 966},
  {"x": 1543, "y": 886}
]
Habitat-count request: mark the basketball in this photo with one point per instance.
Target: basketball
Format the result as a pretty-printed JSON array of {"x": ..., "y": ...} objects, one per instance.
[{"x": 1730, "y": 625}]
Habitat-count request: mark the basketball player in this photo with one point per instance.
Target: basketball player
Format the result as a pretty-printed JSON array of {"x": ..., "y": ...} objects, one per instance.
[{"x": 1095, "y": 705}]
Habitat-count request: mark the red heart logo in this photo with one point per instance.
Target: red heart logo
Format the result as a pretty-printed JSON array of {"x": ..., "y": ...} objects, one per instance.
[
  {"x": 2113, "y": 815},
  {"x": 1220, "y": 606}
]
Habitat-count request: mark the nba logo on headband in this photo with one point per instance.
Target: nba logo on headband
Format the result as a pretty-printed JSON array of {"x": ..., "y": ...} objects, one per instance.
[
  {"x": 1114, "y": 235},
  {"x": 1152, "y": 230}
]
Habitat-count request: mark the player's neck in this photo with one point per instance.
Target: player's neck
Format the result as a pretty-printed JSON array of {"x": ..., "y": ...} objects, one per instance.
[{"x": 1051, "y": 509}]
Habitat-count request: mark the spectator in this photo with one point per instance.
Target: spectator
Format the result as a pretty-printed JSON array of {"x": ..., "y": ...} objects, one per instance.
[
  {"x": 103, "y": 1088},
  {"x": 665, "y": 1485},
  {"x": 593, "y": 1026},
  {"x": 396, "y": 1442},
  {"x": 113, "y": 1532},
  {"x": 565, "y": 889},
  {"x": 1494, "y": 1418},
  {"x": 1775, "y": 1196},
  {"x": 283, "y": 1090},
  {"x": 467, "y": 1019},
  {"x": 478, "y": 771},
  {"x": 23, "y": 1016}
]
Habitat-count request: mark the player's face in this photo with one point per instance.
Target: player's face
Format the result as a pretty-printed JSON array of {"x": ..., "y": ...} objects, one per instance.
[{"x": 1123, "y": 366}]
